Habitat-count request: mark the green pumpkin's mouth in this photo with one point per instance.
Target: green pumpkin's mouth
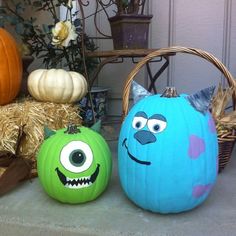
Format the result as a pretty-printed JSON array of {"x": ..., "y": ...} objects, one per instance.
[
  {"x": 132, "y": 157},
  {"x": 75, "y": 183}
]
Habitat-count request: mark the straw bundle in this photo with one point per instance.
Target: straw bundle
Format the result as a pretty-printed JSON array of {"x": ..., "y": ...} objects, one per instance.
[
  {"x": 9, "y": 131},
  {"x": 22, "y": 126}
]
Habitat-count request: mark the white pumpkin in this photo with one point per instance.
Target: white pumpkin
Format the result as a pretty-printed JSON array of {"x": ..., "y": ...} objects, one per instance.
[{"x": 57, "y": 85}]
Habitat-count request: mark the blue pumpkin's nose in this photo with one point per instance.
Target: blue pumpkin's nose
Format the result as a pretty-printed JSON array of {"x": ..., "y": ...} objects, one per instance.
[{"x": 144, "y": 137}]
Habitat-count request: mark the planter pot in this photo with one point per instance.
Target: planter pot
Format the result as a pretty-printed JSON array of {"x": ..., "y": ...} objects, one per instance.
[
  {"x": 100, "y": 104},
  {"x": 130, "y": 31}
]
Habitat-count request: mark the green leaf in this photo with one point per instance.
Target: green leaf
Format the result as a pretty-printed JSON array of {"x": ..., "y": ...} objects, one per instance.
[
  {"x": 46, "y": 28},
  {"x": 12, "y": 20},
  {"x": 19, "y": 28},
  {"x": 2, "y": 22},
  {"x": 19, "y": 8},
  {"x": 2, "y": 11},
  {"x": 37, "y": 4}
]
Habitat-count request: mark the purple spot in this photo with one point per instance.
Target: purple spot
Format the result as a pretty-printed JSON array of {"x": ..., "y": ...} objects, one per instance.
[
  {"x": 196, "y": 146},
  {"x": 211, "y": 125},
  {"x": 200, "y": 190}
]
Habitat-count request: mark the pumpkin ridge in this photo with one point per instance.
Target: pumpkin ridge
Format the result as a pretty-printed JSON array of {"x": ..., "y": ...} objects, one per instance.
[
  {"x": 17, "y": 69},
  {"x": 107, "y": 162},
  {"x": 7, "y": 66},
  {"x": 73, "y": 86},
  {"x": 39, "y": 88},
  {"x": 96, "y": 186},
  {"x": 133, "y": 157},
  {"x": 57, "y": 85},
  {"x": 167, "y": 185},
  {"x": 54, "y": 154},
  {"x": 96, "y": 141},
  {"x": 12, "y": 67},
  {"x": 14, "y": 84}
]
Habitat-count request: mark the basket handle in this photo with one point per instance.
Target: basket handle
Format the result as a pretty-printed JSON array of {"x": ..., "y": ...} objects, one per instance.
[{"x": 166, "y": 51}]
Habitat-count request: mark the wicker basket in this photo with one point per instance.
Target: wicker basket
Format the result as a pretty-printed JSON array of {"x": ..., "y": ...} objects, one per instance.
[{"x": 226, "y": 141}]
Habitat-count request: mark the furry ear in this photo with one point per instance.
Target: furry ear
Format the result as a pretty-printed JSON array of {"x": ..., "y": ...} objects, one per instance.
[
  {"x": 139, "y": 92},
  {"x": 48, "y": 132},
  {"x": 202, "y": 99}
]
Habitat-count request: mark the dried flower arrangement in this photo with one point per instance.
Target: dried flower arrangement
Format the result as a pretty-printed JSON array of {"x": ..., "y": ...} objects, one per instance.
[
  {"x": 58, "y": 43},
  {"x": 225, "y": 121}
]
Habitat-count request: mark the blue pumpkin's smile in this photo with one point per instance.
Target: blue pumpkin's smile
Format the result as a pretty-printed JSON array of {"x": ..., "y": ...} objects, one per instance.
[{"x": 134, "y": 158}]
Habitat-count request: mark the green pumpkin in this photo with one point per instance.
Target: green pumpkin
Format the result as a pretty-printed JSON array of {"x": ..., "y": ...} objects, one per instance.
[{"x": 74, "y": 164}]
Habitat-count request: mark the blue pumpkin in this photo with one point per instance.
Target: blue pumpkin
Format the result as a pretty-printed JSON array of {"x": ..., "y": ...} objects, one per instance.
[{"x": 167, "y": 154}]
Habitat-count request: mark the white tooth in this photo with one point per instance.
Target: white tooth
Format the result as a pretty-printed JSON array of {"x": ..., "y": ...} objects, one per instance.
[{"x": 77, "y": 186}]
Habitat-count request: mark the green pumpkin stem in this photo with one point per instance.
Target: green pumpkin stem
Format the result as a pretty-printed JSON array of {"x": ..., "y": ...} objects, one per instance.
[
  {"x": 170, "y": 92},
  {"x": 72, "y": 129}
]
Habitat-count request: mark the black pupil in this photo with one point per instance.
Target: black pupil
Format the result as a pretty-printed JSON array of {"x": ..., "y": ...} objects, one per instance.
[
  {"x": 156, "y": 127},
  {"x": 138, "y": 124},
  {"x": 78, "y": 157}
]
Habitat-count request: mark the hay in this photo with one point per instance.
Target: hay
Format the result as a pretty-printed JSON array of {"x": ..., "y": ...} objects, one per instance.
[
  {"x": 225, "y": 121},
  {"x": 23, "y": 123},
  {"x": 9, "y": 130},
  {"x": 220, "y": 101}
]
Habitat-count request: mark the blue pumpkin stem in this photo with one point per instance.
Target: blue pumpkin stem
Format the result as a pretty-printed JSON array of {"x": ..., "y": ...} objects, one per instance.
[{"x": 170, "y": 92}]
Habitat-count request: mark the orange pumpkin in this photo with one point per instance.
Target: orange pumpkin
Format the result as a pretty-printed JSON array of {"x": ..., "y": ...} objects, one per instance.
[{"x": 10, "y": 68}]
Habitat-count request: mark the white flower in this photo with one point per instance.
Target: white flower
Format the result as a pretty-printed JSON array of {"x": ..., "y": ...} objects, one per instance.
[
  {"x": 63, "y": 33},
  {"x": 69, "y": 4}
]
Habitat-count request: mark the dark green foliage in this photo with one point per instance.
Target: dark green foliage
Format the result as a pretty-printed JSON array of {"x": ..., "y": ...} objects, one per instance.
[{"x": 38, "y": 37}]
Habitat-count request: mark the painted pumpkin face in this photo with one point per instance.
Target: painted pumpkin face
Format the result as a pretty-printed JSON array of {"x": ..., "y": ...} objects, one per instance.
[
  {"x": 74, "y": 166},
  {"x": 167, "y": 155}
]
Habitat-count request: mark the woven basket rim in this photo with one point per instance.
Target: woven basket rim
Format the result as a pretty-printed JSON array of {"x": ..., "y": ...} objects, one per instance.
[
  {"x": 174, "y": 50},
  {"x": 222, "y": 139}
]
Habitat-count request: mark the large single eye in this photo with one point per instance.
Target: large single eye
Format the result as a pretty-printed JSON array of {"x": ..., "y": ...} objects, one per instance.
[
  {"x": 156, "y": 125},
  {"x": 76, "y": 156},
  {"x": 139, "y": 122}
]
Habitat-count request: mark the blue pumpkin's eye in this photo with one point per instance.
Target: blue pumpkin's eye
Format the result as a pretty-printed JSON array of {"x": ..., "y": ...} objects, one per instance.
[
  {"x": 76, "y": 156},
  {"x": 156, "y": 125},
  {"x": 139, "y": 122}
]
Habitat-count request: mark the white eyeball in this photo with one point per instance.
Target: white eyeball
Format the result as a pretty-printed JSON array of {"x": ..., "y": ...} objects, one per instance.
[
  {"x": 76, "y": 156},
  {"x": 139, "y": 122},
  {"x": 156, "y": 126}
]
